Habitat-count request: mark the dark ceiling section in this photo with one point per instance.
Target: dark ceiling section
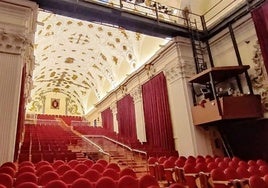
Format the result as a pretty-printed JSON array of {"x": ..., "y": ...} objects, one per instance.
[
  {"x": 96, "y": 12},
  {"x": 99, "y": 12}
]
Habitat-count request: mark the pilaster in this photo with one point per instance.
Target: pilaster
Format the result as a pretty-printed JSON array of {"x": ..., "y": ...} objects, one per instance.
[{"x": 139, "y": 113}]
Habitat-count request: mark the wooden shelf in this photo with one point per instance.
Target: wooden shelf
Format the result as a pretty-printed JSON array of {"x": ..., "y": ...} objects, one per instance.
[
  {"x": 219, "y": 74},
  {"x": 247, "y": 106}
]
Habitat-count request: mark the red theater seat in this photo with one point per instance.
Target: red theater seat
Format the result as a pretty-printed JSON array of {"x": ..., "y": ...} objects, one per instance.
[
  {"x": 147, "y": 180},
  {"x": 26, "y": 177},
  {"x": 127, "y": 171},
  {"x": 57, "y": 163},
  {"x": 73, "y": 163},
  {"x": 97, "y": 167},
  {"x": 109, "y": 172},
  {"x": 257, "y": 182},
  {"x": 103, "y": 162},
  {"x": 43, "y": 169},
  {"x": 88, "y": 162},
  {"x": 70, "y": 176},
  {"x": 62, "y": 169},
  {"x": 128, "y": 182},
  {"x": 10, "y": 164},
  {"x": 8, "y": 170},
  {"x": 27, "y": 185},
  {"x": 114, "y": 166},
  {"x": 6, "y": 180},
  {"x": 92, "y": 175},
  {"x": 82, "y": 183},
  {"x": 46, "y": 177},
  {"x": 56, "y": 184},
  {"x": 106, "y": 182},
  {"x": 81, "y": 168}
]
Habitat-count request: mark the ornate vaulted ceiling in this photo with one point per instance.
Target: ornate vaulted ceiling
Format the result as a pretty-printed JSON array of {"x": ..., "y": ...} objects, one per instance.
[{"x": 84, "y": 61}]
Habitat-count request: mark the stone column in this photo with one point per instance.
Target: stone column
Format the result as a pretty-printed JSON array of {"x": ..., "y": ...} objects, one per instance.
[
  {"x": 189, "y": 140},
  {"x": 139, "y": 113},
  {"x": 114, "y": 111},
  {"x": 16, "y": 47}
]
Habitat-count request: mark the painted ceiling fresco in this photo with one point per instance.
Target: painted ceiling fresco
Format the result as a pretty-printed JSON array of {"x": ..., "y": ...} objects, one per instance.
[{"x": 84, "y": 60}]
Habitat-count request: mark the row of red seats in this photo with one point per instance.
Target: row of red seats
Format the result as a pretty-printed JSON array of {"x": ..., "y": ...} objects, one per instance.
[
  {"x": 77, "y": 174},
  {"x": 47, "y": 142},
  {"x": 191, "y": 169}
]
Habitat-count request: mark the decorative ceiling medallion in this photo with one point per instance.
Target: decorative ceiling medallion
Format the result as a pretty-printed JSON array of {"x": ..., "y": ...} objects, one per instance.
[
  {"x": 69, "y": 60},
  {"x": 55, "y": 103}
]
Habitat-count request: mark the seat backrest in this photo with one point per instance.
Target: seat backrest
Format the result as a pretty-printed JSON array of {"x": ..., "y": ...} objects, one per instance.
[
  {"x": 128, "y": 181},
  {"x": 70, "y": 176},
  {"x": 257, "y": 182},
  {"x": 26, "y": 177},
  {"x": 81, "y": 168},
  {"x": 106, "y": 182},
  {"x": 56, "y": 184},
  {"x": 114, "y": 166},
  {"x": 97, "y": 167},
  {"x": 82, "y": 183},
  {"x": 103, "y": 162},
  {"x": 47, "y": 177},
  {"x": 62, "y": 169},
  {"x": 127, "y": 171},
  {"x": 92, "y": 175},
  {"x": 147, "y": 180},
  {"x": 110, "y": 172},
  {"x": 6, "y": 180},
  {"x": 44, "y": 169},
  {"x": 57, "y": 163},
  {"x": 27, "y": 185},
  {"x": 8, "y": 170}
]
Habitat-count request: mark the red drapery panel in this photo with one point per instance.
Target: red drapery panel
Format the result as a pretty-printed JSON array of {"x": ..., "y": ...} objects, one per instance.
[
  {"x": 107, "y": 119},
  {"x": 260, "y": 18},
  {"x": 126, "y": 119},
  {"x": 158, "y": 125}
]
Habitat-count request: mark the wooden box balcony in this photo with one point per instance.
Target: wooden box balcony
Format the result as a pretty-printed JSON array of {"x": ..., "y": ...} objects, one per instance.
[{"x": 227, "y": 108}]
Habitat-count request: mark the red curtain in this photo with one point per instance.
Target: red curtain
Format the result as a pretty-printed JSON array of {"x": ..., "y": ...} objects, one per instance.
[
  {"x": 126, "y": 119},
  {"x": 260, "y": 18},
  {"x": 158, "y": 125},
  {"x": 107, "y": 119}
]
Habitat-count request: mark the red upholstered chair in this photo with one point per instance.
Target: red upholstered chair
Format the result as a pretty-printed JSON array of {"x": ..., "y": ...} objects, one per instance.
[
  {"x": 169, "y": 166},
  {"x": 44, "y": 169},
  {"x": 98, "y": 167},
  {"x": 8, "y": 170},
  {"x": 231, "y": 174},
  {"x": 263, "y": 170},
  {"x": 219, "y": 178},
  {"x": 47, "y": 177},
  {"x": 266, "y": 178},
  {"x": 254, "y": 170},
  {"x": 73, "y": 163},
  {"x": 243, "y": 172},
  {"x": 114, "y": 166},
  {"x": 56, "y": 184},
  {"x": 127, "y": 171},
  {"x": 57, "y": 163},
  {"x": 70, "y": 176},
  {"x": 257, "y": 182},
  {"x": 41, "y": 163},
  {"x": 92, "y": 175},
  {"x": 81, "y": 168},
  {"x": 128, "y": 181},
  {"x": 26, "y": 163},
  {"x": 110, "y": 172},
  {"x": 212, "y": 165},
  {"x": 27, "y": 185},
  {"x": 106, "y": 182},
  {"x": 25, "y": 169},
  {"x": 82, "y": 183},
  {"x": 261, "y": 162},
  {"x": 62, "y": 169},
  {"x": 10, "y": 164},
  {"x": 190, "y": 174},
  {"x": 162, "y": 159},
  {"x": 88, "y": 162},
  {"x": 26, "y": 177},
  {"x": 147, "y": 180},
  {"x": 201, "y": 167},
  {"x": 6, "y": 180},
  {"x": 152, "y": 165},
  {"x": 103, "y": 162}
]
